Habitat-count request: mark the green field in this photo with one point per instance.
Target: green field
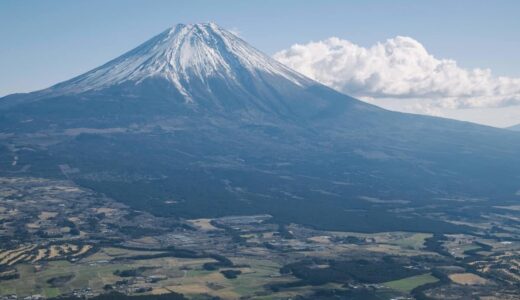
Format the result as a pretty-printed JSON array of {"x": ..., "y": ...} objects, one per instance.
[
  {"x": 32, "y": 282},
  {"x": 93, "y": 272},
  {"x": 252, "y": 280},
  {"x": 406, "y": 285},
  {"x": 415, "y": 241},
  {"x": 184, "y": 275}
]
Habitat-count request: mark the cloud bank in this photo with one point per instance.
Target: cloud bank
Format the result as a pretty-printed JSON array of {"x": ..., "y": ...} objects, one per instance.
[{"x": 400, "y": 68}]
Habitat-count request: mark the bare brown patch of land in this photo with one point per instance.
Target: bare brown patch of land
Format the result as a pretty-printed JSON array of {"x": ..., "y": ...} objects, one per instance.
[
  {"x": 203, "y": 224},
  {"x": 467, "y": 279}
]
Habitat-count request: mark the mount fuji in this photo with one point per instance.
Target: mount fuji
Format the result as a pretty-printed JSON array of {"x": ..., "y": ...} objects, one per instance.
[{"x": 195, "y": 122}]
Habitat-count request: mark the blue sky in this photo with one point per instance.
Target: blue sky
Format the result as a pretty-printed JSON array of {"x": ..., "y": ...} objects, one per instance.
[{"x": 44, "y": 42}]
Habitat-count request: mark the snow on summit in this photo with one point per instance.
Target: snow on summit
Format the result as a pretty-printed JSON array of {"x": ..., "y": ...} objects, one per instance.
[{"x": 185, "y": 54}]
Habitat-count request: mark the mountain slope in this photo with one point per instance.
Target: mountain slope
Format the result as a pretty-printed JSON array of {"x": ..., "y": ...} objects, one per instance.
[
  {"x": 206, "y": 67},
  {"x": 197, "y": 123},
  {"x": 182, "y": 54},
  {"x": 514, "y": 127}
]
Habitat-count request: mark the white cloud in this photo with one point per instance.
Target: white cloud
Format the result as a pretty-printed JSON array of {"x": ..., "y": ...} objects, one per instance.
[{"x": 400, "y": 68}]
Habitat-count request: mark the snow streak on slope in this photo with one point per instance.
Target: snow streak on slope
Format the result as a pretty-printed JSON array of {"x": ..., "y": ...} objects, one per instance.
[{"x": 182, "y": 54}]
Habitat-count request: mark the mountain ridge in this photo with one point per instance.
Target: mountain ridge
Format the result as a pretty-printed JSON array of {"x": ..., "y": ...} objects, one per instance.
[
  {"x": 182, "y": 52},
  {"x": 202, "y": 67}
]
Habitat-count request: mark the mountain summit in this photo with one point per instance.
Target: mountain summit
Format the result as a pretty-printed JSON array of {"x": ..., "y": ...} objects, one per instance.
[
  {"x": 186, "y": 56},
  {"x": 197, "y": 123},
  {"x": 205, "y": 66},
  {"x": 200, "y": 68}
]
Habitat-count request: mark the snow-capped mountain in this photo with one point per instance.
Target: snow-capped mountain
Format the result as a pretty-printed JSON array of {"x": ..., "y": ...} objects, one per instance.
[
  {"x": 199, "y": 68},
  {"x": 198, "y": 61},
  {"x": 197, "y": 115},
  {"x": 183, "y": 54}
]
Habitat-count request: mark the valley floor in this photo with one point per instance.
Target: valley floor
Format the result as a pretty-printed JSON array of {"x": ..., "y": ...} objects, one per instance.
[{"x": 58, "y": 239}]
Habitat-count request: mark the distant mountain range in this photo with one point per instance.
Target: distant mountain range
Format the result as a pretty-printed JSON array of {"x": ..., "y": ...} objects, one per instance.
[{"x": 197, "y": 123}]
